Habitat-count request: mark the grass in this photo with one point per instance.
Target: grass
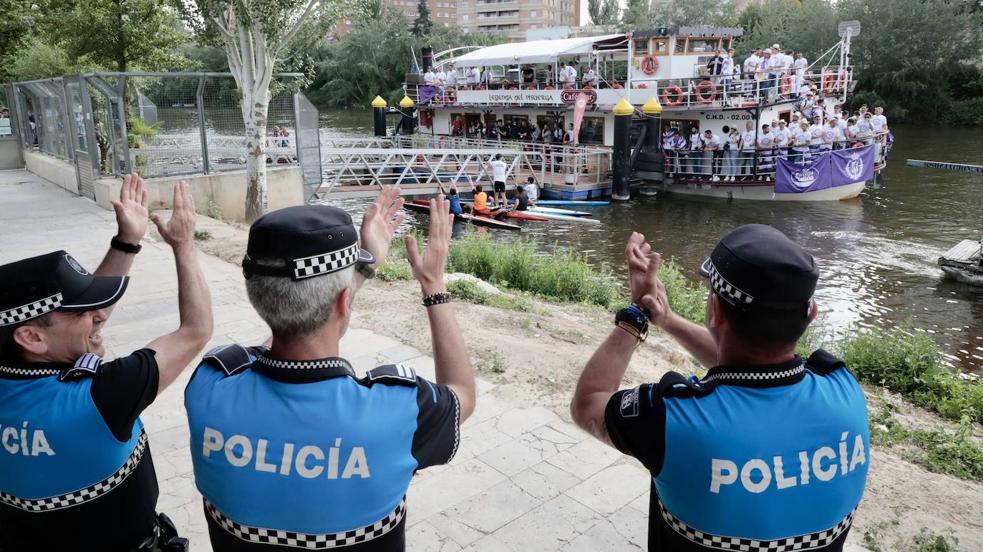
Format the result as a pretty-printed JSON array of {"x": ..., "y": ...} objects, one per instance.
[
  {"x": 213, "y": 210},
  {"x": 954, "y": 453},
  {"x": 466, "y": 290},
  {"x": 876, "y": 537},
  {"x": 202, "y": 235},
  {"x": 491, "y": 363},
  {"x": 685, "y": 298}
]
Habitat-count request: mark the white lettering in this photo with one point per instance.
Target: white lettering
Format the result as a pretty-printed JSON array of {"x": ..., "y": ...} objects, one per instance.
[
  {"x": 859, "y": 453},
  {"x": 823, "y": 474},
  {"x": 750, "y": 485},
  {"x": 247, "y": 450},
  {"x": 212, "y": 442},
  {"x": 261, "y": 464},
  {"x": 722, "y": 472},
  {"x": 285, "y": 463},
  {"x": 40, "y": 445},
  {"x": 301, "y": 463},
  {"x": 782, "y": 482},
  {"x": 357, "y": 464},
  {"x": 23, "y": 440},
  {"x": 804, "y": 467},
  {"x": 333, "y": 459},
  {"x": 9, "y": 432},
  {"x": 843, "y": 459}
]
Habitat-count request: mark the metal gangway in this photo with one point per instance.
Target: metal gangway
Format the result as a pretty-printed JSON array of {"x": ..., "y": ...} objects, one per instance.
[{"x": 422, "y": 164}]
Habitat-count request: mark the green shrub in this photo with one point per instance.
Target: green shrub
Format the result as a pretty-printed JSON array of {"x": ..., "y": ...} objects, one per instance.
[
  {"x": 938, "y": 450},
  {"x": 395, "y": 269},
  {"x": 466, "y": 290},
  {"x": 687, "y": 299},
  {"x": 910, "y": 363}
]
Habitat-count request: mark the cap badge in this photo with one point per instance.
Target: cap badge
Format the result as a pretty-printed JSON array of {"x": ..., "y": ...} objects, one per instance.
[{"x": 75, "y": 265}]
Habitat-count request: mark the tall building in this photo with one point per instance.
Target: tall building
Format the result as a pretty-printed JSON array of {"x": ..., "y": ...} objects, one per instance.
[
  {"x": 441, "y": 11},
  {"x": 514, "y": 17}
]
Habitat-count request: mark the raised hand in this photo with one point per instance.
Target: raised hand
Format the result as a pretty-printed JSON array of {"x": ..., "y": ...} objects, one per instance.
[
  {"x": 179, "y": 230},
  {"x": 655, "y": 298},
  {"x": 380, "y": 222},
  {"x": 636, "y": 254},
  {"x": 131, "y": 210},
  {"x": 428, "y": 268}
]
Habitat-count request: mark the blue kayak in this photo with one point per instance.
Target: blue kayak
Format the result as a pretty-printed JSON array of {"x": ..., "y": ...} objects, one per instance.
[{"x": 572, "y": 202}]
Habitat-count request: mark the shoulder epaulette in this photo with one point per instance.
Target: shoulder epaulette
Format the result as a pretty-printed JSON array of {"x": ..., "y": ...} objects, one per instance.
[
  {"x": 674, "y": 384},
  {"x": 86, "y": 366},
  {"x": 822, "y": 362},
  {"x": 398, "y": 374},
  {"x": 232, "y": 359}
]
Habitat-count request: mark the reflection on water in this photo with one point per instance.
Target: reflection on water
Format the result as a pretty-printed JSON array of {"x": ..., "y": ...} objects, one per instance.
[{"x": 877, "y": 253}]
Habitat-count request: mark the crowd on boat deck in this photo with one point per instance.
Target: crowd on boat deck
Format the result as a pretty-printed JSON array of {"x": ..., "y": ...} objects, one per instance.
[
  {"x": 751, "y": 153},
  {"x": 515, "y": 129}
]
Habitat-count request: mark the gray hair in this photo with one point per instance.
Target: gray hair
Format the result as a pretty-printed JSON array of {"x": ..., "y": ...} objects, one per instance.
[{"x": 296, "y": 307}]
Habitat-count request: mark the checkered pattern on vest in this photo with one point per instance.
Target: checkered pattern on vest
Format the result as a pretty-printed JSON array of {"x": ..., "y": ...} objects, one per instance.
[
  {"x": 26, "y": 312},
  {"x": 82, "y": 495},
  {"x": 304, "y": 540},
  {"x": 326, "y": 263},
  {"x": 799, "y": 542},
  {"x": 725, "y": 289}
]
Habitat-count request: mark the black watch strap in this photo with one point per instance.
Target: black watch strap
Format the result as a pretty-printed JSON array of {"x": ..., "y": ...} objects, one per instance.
[
  {"x": 366, "y": 270},
  {"x": 115, "y": 243}
]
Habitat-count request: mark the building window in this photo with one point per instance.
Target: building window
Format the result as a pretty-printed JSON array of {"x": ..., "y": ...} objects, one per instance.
[
  {"x": 532, "y": 13},
  {"x": 592, "y": 130}
]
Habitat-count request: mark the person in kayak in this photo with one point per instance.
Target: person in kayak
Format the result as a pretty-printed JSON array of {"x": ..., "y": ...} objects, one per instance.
[
  {"x": 455, "y": 201},
  {"x": 480, "y": 199},
  {"x": 521, "y": 199}
]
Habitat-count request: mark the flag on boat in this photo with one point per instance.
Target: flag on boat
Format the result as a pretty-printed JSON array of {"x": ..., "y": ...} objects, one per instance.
[
  {"x": 825, "y": 170},
  {"x": 579, "y": 107}
]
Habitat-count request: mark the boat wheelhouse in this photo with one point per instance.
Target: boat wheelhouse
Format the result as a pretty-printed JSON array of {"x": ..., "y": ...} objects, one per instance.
[{"x": 521, "y": 90}]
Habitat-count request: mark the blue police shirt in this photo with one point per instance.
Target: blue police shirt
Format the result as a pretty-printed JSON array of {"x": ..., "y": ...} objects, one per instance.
[
  {"x": 751, "y": 457},
  {"x": 75, "y": 467},
  {"x": 289, "y": 452}
]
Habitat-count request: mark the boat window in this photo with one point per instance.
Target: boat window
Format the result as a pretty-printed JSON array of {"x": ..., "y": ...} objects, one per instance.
[
  {"x": 641, "y": 46},
  {"x": 592, "y": 130},
  {"x": 701, "y": 45},
  {"x": 681, "y": 44},
  {"x": 660, "y": 46},
  {"x": 542, "y": 121}
]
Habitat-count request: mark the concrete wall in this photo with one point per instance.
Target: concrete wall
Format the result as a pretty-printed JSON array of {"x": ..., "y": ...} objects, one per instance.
[
  {"x": 10, "y": 157},
  {"x": 226, "y": 191},
  {"x": 52, "y": 169}
]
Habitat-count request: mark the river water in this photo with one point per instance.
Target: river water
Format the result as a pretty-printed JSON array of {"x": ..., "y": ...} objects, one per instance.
[{"x": 877, "y": 253}]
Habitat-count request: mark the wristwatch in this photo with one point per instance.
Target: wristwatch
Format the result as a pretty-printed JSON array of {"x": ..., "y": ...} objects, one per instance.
[
  {"x": 365, "y": 270},
  {"x": 634, "y": 319},
  {"x": 115, "y": 243}
]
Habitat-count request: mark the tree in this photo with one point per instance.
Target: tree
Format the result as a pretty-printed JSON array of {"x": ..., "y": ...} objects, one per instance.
[
  {"x": 603, "y": 12},
  {"x": 636, "y": 15},
  {"x": 422, "y": 24},
  {"x": 256, "y": 36}
]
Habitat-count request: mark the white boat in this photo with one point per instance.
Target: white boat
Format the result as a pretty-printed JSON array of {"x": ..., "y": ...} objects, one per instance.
[
  {"x": 963, "y": 263},
  {"x": 667, "y": 65}
]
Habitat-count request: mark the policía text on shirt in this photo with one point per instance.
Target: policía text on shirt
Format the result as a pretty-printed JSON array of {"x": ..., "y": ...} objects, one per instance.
[{"x": 309, "y": 461}]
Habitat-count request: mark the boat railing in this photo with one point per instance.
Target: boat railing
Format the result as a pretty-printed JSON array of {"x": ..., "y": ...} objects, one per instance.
[
  {"x": 761, "y": 163},
  {"x": 746, "y": 91}
]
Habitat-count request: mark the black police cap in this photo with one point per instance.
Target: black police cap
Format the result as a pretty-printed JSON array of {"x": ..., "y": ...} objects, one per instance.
[
  {"x": 756, "y": 267},
  {"x": 34, "y": 287},
  {"x": 312, "y": 240}
]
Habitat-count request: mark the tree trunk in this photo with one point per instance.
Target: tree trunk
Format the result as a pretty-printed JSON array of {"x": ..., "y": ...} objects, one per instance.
[{"x": 255, "y": 110}]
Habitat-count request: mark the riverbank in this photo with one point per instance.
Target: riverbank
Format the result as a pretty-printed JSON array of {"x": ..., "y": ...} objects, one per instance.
[{"x": 533, "y": 350}]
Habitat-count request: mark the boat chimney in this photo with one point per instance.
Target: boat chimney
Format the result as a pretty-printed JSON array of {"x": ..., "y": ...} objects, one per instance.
[
  {"x": 622, "y": 149},
  {"x": 379, "y": 116}
]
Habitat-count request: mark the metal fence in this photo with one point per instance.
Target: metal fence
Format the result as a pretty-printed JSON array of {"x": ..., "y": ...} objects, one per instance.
[{"x": 159, "y": 124}]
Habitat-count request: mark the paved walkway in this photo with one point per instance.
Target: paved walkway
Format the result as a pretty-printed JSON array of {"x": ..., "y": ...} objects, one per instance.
[{"x": 522, "y": 480}]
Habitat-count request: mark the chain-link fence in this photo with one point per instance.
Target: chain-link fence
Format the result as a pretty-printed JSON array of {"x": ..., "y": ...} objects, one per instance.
[{"x": 157, "y": 124}]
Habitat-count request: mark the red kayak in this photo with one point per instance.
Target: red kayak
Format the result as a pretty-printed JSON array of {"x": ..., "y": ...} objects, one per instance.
[
  {"x": 521, "y": 215},
  {"x": 423, "y": 206}
]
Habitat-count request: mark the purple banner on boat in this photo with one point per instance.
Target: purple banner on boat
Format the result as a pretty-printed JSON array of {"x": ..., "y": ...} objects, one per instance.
[
  {"x": 853, "y": 165},
  {"x": 796, "y": 178},
  {"x": 427, "y": 92}
]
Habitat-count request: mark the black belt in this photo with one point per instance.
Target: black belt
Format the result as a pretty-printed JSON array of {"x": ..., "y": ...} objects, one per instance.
[{"x": 164, "y": 538}]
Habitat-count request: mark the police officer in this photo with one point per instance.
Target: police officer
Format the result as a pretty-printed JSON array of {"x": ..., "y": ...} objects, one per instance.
[
  {"x": 75, "y": 468},
  {"x": 290, "y": 448},
  {"x": 768, "y": 451}
]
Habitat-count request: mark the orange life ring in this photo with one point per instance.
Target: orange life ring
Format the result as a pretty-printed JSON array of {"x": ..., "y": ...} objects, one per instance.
[
  {"x": 437, "y": 99},
  {"x": 451, "y": 95},
  {"x": 504, "y": 82},
  {"x": 643, "y": 85},
  {"x": 649, "y": 64},
  {"x": 833, "y": 82},
  {"x": 530, "y": 87},
  {"x": 676, "y": 96},
  {"x": 786, "y": 85},
  {"x": 702, "y": 89}
]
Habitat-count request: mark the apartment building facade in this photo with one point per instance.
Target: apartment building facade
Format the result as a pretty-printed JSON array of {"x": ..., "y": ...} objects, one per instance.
[{"x": 514, "y": 17}]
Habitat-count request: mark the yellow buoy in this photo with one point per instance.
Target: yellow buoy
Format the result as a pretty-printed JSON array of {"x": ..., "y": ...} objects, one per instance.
[
  {"x": 406, "y": 102},
  {"x": 652, "y": 107},
  {"x": 623, "y": 108},
  {"x": 378, "y": 102}
]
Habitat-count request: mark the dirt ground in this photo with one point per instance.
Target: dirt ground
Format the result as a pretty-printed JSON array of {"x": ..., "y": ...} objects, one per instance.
[{"x": 535, "y": 357}]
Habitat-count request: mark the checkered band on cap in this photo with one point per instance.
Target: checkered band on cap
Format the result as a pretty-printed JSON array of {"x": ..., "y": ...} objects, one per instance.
[
  {"x": 26, "y": 312},
  {"x": 81, "y": 496},
  {"x": 304, "y": 540},
  {"x": 725, "y": 289},
  {"x": 808, "y": 541},
  {"x": 326, "y": 263}
]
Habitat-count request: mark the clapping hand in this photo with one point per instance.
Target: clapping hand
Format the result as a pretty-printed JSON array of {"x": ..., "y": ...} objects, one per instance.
[
  {"x": 179, "y": 230},
  {"x": 428, "y": 268},
  {"x": 647, "y": 289},
  {"x": 380, "y": 222},
  {"x": 131, "y": 210}
]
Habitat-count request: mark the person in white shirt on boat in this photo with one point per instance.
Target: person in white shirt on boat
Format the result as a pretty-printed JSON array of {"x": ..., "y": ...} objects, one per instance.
[
  {"x": 731, "y": 147},
  {"x": 832, "y": 138},
  {"x": 748, "y": 147},
  {"x": 799, "y": 66},
  {"x": 864, "y": 124},
  {"x": 783, "y": 138},
  {"x": 590, "y": 78},
  {"x": 762, "y": 75},
  {"x": 430, "y": 78},
  {"x": 878, "y": 123},
  {"x": 766, "y": 150},
  {"x": 800, "y": 151},
  {"x": 727, "y": 72},
  {"x": 568, "y": 75},
  {"x": 713, "y": 145},
  {"x": 697, "y": 165},
  {"x": 440, "y": 80},
  {"x": 472, "y": 75},
  {"x": 450, "y": 78}
]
